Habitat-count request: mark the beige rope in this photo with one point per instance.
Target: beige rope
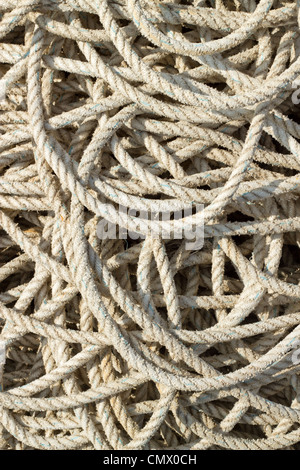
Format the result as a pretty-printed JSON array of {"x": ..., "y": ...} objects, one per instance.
[{"x": 138, "y": 341}]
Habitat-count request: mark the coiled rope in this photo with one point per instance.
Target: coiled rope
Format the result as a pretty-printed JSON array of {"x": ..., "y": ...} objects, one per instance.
[{"x": 141, "y": 342}]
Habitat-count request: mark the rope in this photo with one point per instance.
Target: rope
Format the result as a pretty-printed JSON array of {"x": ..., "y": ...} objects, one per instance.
[{"x": 175, "y": 125}]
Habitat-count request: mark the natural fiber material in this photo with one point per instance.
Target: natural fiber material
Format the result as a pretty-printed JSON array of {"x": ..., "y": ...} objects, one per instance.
[{"x": 154, "y": 106}]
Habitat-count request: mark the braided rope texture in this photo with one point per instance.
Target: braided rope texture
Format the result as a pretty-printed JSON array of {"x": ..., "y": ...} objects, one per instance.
[{"x": 139, "y": 342}]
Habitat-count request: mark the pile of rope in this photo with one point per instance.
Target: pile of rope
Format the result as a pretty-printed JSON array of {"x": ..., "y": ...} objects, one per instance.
[{"x": 140, "y": 342}]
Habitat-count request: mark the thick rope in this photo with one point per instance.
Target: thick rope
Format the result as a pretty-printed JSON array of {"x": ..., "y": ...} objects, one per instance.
[{"x": 161, "y": 120}]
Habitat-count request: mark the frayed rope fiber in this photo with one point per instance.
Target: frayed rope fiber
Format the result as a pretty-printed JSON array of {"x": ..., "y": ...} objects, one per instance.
[{"x": 140, "y": 342}]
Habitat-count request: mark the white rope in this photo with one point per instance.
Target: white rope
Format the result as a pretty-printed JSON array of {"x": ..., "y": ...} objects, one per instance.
[{"x": 112, "y": 113}]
